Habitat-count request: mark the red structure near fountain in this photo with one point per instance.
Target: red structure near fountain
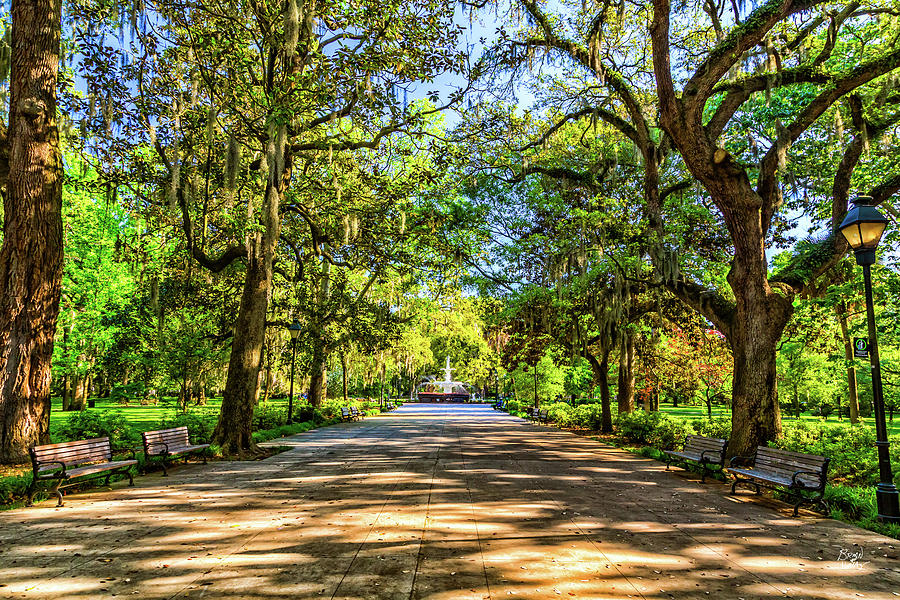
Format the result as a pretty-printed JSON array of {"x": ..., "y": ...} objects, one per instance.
[{"x": 443, "y": 391}]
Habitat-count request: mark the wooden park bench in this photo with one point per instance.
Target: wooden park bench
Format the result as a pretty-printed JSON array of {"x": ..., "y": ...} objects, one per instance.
[
  {"x": 63, "y": 462},
  {"x": 705, "y": 451},
  {"x": 542, "y": 416},
  {"x": 801, "y": 475},
  {"x": 170, "y": 443},
  {"x": 354, "y": 412}
]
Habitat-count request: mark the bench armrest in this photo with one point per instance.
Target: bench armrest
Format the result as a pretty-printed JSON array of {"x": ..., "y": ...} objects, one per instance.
[
  {"x": 703, "y": 457},
  {"x": 39, "y": 463},
  {"x": 154, "y": 444},
  {"x": 746, "y": 461},
  {"x": 797, "y": 483}
]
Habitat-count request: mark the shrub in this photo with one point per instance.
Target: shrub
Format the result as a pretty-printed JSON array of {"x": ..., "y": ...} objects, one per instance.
[
  {"x": 513, "y": 406},
  {"x": 654, "y": 428},
  {"x": 562, "y": 414},
  {"x": 14, "y": 487},
  {"x": 88, "y": 424},
  {"x": 304, "y": 412},
  {"x": 200, "y": 424},
  {"x": 717, "y": 427},
  {"x": 331, "y": 409},
  {"x": 264, "y": 435},
  {"x": 123, "y": 394},
  {"x": 587, "y": 416},
  {"x": 269, "y": 416},
  {"x": 850, "y": 448}
]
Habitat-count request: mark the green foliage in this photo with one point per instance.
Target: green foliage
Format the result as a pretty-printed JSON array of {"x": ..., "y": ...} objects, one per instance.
[
  {"x": 88, "y": 424},
  {"x": 268, "y": 416},
  {"x": 263, "y": 435},
  {"x": 654, "y": 428},
  {"x": 717, "y": 427},
  {"x": 850, "y": 448},
  {"x": 200, "y": 424},
  {"x": 13, "y": 488},
  {"x": 123, "y": 394}
]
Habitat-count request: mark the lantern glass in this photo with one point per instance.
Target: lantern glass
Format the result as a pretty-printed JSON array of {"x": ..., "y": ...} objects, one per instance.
[
  {"x": 294, "y": 329},
  {"x": 870, "y": 233},
  {"x": 864, "y": 225}
]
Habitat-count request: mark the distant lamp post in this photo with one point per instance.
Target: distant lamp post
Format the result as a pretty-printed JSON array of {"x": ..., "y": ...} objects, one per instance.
[
  {"x": 294, "y": 329},
  {"x": 863, "y": 227},
  {"x": 496, "y": 385}
]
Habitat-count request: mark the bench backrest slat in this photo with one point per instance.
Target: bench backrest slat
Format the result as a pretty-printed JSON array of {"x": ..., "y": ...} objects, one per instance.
[
  {"x": 711, "y": 449},
  {"x": 156, "y": 441},
  {"x": 72, "y": 453},
  {"x": 785, "y": 463}
]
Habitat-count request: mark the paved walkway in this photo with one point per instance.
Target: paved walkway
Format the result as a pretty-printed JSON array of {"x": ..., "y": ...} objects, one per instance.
[{"x": 437, "y": 502}]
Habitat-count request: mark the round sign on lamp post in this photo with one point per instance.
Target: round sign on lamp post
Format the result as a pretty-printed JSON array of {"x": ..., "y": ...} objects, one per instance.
[
  {"x": 863, "y": 227},
  {"x": 294, "y": 329}
]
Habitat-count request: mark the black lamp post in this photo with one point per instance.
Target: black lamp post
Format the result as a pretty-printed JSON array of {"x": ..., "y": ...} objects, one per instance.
[
  {"x": 863, "y": 227},
  {"x": 294, "y": 329}
]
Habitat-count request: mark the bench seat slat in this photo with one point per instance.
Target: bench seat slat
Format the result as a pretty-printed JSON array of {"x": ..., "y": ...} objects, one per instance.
[
  {"x": 183, "y": 449},
  {"x": 91, "y": 469}
]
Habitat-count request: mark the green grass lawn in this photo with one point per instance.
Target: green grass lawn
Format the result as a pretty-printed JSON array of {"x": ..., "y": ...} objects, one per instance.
[
  {"x": 142, "y": 418},
  {"x": 700, "y": 411}
]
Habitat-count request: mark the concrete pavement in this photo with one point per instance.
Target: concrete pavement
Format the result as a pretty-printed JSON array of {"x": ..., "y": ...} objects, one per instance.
[{"x": 437, "y": 502}]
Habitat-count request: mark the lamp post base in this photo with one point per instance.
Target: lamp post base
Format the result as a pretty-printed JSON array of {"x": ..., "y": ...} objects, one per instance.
[{"x": 888, "y": 500}]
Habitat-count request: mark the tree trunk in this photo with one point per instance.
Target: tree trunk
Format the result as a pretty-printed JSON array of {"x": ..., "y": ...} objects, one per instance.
[
  {"x": 344, "y": 376},
  {"x": 625, "y": 392},
  {"x": 233, "y": 431},
  {"x": 79, "y": 396},
  {"x": 841, "y": 309},
  {"x": 67, "y": 392},
  {"x": 756, "y": 331},
  {"x": 31, "y": 257},
  {"x": 600, "y": 369},
  {"x": 317, "y": 374}
]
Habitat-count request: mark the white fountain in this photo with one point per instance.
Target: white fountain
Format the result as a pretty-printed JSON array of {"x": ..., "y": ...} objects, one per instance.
[
  {"x": 447, "y": 383},
  {"x": 444, "y": 391}
]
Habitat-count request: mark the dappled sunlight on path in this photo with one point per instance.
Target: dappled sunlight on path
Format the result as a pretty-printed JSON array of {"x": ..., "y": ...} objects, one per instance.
[{"x": 437, "y": 502}]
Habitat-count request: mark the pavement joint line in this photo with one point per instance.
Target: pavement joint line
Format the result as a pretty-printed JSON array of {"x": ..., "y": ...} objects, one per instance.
[
  {"x": 412, "y": 588},
  {"x": 190, "y": 508},
  {"x": 560, "y": 508},
  {"x": 372, "y": 528},
  {"x": 465, "y": 463}
]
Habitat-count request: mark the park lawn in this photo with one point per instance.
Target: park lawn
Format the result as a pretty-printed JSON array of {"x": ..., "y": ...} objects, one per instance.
[
  {"x": 693, "y": 412},
  {"x": 141, "y": 418}
]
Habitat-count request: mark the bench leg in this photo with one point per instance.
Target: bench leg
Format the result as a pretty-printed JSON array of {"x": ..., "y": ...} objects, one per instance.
[
  {"x": 753, "y": 483},
  {"x": 165, "y": 469},
  {"x": 55, "y": 490}
]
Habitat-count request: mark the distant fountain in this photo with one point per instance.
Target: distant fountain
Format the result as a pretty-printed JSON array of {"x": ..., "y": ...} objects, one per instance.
[{"x": 444, "y": 391}]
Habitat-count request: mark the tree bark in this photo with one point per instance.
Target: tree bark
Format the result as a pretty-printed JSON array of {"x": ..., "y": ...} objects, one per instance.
[
  {"x": 79, "y": 395},
  {"x": 317, "y": 374},
  {"x": 853, "y": 395},
  {"x": 344, "y": 376},
  {"x": 31, "y": 258},
  {"x": 600, "y": 369},
  {"x": 625, "y": 392},
  {"x": 232, "y": 432}
]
